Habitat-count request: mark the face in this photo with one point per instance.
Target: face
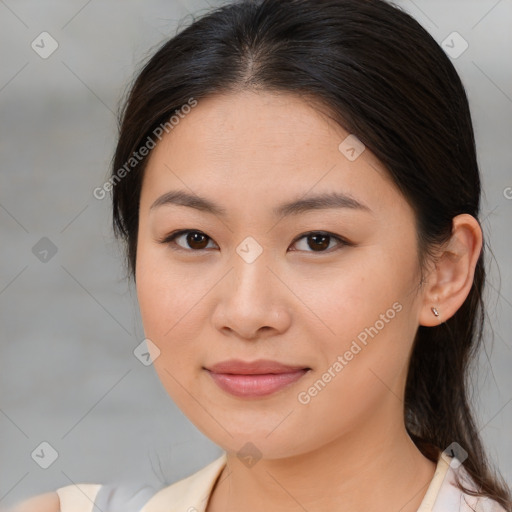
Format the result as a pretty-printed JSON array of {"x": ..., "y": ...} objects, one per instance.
[{"x": 329, "y": 292}]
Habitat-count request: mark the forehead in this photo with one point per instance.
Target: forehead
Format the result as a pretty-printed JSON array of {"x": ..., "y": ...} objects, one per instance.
[
  {"x": 230, "y": 125},
  {"x": 249, "y": 145}
]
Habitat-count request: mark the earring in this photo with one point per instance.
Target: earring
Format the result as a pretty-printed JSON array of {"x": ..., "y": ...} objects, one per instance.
[{"x": 434, "y": 310}]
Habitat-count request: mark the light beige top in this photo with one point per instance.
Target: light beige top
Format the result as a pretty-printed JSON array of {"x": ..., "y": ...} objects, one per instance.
[{"x": 191, "y": 494}]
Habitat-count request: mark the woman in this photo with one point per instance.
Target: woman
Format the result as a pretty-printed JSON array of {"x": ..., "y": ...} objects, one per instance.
[{"x": 297, "y": 186}]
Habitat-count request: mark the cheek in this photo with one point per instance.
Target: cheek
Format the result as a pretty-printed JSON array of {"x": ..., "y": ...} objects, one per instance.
[
  {"x": 166, "y": 291},
  {"x": 369, "y": 312},
  {"x": 172, "y": 300},
  {"x": 363, "y": 376},
  {"x": 162, "y": 294},
  {"x": 354, "y": 296},
  {"x": 166, "y": 302}
]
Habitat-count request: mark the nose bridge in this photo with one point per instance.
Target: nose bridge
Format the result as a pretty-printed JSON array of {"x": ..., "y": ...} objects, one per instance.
[
  {"x": 250, "y": 302},
  {"x": 250, "y": 262}
]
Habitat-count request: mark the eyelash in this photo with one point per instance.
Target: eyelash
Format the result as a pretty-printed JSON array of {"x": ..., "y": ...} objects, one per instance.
[{"x": 170, "y": 240}]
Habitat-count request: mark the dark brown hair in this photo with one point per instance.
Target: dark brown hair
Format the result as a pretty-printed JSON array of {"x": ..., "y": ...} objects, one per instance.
[{"x": 385, "y": 79}]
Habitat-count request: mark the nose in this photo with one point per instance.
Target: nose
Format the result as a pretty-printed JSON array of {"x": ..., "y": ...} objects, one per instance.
[{"x": 251, "y": 302}]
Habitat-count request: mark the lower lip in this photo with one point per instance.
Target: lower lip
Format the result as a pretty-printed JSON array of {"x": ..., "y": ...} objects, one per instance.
[{"x": 255, "y": 385}]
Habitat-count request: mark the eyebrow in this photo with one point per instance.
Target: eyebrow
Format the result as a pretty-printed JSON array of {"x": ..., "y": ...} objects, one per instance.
[{"x": 294, "y": 207}]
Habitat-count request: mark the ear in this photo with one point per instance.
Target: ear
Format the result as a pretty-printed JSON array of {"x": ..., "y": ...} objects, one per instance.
[{"x": 449, "y": 283}]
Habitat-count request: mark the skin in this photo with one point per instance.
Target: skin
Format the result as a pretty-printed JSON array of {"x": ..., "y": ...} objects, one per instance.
[
  {"x": 47, "y": 502},
  {"x": 296, "y": 303},
  {"x": 202, "y": 304}
]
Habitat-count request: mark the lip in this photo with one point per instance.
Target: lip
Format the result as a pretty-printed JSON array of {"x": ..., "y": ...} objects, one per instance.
[{"x": 255, "y": 378}]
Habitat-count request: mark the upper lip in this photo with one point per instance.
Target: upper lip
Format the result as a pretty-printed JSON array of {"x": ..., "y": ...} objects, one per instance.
[{"x": 259, "y": 367}]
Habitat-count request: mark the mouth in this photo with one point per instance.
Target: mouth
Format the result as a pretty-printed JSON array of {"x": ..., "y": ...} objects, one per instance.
[{"x": 254, "y": 379}]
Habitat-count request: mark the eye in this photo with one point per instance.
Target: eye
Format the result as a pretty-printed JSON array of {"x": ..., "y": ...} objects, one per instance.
[
  {"x": 195, "y": 240},
  {"x": 318, "y": 241}
]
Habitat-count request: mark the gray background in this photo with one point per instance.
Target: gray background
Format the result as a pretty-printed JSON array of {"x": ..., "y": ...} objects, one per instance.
[{"x": 69, "y": 325}]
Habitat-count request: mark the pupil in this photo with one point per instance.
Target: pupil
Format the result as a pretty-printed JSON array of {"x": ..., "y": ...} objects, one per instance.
[
  {"x": 192, "y": 239},
  {"x": 324, "y": 244}
]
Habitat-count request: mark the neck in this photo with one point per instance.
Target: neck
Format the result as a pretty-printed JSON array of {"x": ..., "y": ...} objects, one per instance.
[{"x": 371, "y": 468}]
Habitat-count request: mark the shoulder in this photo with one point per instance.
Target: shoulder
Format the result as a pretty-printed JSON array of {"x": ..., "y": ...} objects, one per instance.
[
  {"x": 76, "y": 498},
  {"x": 451, "y": 497},
  {"x": 47, "y": 502},
  {"x": 86, "y": 497},
  {"x": 190, "y": 493},
  {"x": 129, "y": 497}
]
